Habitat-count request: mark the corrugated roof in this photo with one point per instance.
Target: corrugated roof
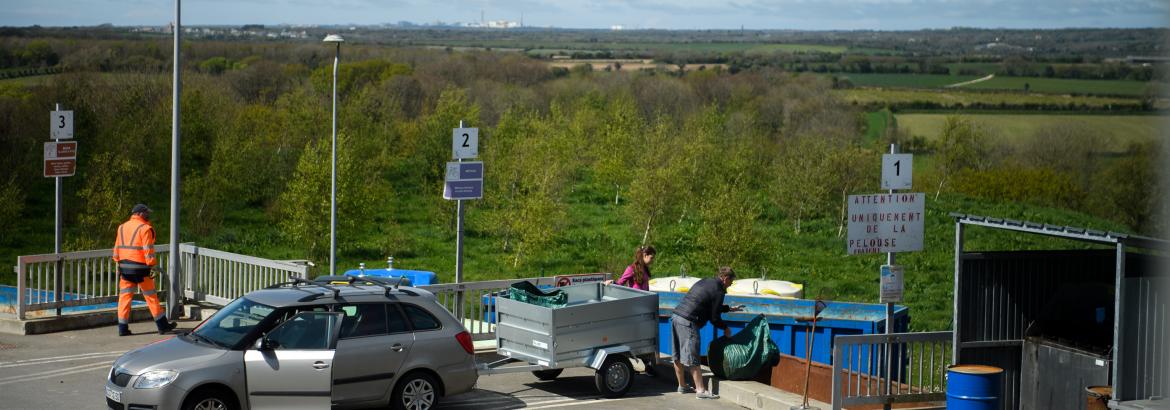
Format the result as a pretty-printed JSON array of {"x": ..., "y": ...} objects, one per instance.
[{"x": 1061, "y": 231}]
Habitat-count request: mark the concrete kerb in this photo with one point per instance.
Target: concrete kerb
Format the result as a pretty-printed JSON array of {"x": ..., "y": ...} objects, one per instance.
[{"x": 66, "y": 322}]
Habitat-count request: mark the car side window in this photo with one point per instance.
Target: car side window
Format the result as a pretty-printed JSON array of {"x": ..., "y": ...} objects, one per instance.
[
  {"x": 363, "y": 320},
  {"x": 420, "y": 318},
  {"x": 394, "y": 319},
  {"x": 309, "y": 331}
]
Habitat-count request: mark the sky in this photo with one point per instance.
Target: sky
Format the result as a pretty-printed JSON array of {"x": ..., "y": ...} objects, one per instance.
[{"x": 636, "y": 14}]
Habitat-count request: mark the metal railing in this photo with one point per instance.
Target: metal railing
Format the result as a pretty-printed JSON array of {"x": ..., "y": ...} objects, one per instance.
[
  {"x": 53, "y": 282},
  {"x": 58, "y": 281},
  {"x": 918, "y": 372},
  {"x": 219, "y": 277}
]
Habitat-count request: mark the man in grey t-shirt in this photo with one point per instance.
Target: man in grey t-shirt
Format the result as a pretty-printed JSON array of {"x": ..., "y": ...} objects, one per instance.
[{"x": 703, "y": 303}]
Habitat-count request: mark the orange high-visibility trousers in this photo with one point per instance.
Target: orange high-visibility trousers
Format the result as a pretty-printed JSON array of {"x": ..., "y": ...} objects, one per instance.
[{"x": 126, "y": 291}]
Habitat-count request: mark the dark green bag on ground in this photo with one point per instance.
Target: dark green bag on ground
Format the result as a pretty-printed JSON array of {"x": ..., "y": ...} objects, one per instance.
[
  {"x": 526, "y": 292},
  {"x": 742, "y": 355}
]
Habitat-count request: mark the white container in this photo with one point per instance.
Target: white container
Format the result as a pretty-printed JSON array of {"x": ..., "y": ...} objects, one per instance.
[
  {"x": 672, "y": 284},
  {"x": 766, "y": 288}
]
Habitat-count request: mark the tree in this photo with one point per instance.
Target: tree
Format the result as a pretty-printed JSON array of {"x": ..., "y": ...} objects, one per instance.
[
  {"x": 728, "y": 234},
  {"x": 961, "y": 146}
]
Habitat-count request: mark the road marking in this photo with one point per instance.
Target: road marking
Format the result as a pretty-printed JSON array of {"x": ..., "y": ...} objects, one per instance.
[
  {"x": 56, "y": 359},
  {"x": 977, "y": 80},
  {"x": 57, "y": 372},
  {"x": 578, "y": 402}
]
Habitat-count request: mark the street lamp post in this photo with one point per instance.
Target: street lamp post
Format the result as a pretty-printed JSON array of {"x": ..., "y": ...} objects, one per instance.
[{"x": 336, "y": 40}]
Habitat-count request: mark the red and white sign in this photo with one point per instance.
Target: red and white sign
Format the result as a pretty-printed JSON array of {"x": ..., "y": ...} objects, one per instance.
[
  {"x": 880, "y": 223},
  {"x": 566, "y": 280},
  {"x": 60, "y": 159}
]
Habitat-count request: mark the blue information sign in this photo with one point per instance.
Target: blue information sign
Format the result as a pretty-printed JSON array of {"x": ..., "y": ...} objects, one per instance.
[{"x": 464, "y": 180}]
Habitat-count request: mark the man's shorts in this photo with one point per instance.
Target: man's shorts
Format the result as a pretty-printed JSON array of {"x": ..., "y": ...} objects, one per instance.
[{"x": 684, "y": 340}]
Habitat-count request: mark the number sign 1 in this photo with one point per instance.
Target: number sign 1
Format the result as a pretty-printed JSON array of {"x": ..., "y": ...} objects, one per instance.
[
  {"x": 897, "y": 171},
  {"x": 61, "y": 125},
  {"x": 464, "y": 143}
]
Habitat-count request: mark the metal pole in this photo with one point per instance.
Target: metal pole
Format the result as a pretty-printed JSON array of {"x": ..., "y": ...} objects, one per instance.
[
  {"x": 174, "y": 304},
  {"x": 1119, "y": 311},
  {"x": 459, "y": 250},
  {"x": 59, "y": 282},
  {"x": 333, "y": 178},
  {"x": 889, "y": 317}
]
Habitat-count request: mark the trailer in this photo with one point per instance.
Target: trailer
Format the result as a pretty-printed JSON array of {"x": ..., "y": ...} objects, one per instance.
[{"x": 600, "y": 326}]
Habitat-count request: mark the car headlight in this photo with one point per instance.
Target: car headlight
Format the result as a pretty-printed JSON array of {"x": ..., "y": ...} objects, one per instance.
[{"x": 155, "y": 379}]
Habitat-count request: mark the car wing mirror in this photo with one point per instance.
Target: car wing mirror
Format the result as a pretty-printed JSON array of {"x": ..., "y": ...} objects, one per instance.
[{"x": 262, "y": 343}]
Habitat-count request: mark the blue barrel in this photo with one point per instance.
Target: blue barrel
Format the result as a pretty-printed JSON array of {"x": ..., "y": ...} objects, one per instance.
[
  {"x": 416, "y": 277},
  {"x": 973, "y": 387}
]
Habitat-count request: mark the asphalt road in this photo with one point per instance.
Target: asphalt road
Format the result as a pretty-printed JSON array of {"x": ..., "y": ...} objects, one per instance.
[{"x": 67, "y": 371}]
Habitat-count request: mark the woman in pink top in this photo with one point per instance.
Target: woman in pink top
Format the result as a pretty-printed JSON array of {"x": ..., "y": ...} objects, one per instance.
[{"x": 637, "y": 275}]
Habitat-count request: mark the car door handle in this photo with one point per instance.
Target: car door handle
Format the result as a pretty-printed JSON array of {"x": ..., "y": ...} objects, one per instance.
[
  {"x": 397, "y": 347},
  {"x": 320, "y": 365}
]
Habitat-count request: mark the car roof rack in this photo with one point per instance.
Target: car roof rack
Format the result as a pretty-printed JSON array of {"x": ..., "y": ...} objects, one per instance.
[
  {"x": 388, "y": 284},
  {"x": 294, "y": 281}
]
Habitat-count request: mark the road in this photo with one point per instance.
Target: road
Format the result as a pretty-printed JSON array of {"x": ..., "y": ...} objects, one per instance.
[{"x": 67, "y": 371}]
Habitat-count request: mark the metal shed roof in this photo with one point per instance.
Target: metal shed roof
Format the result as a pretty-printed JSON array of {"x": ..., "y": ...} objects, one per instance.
[{"x": 1067, "y": 232}]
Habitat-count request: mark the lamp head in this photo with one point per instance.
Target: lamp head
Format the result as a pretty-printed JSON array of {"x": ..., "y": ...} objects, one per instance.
[{"x": 333, "y": 38}]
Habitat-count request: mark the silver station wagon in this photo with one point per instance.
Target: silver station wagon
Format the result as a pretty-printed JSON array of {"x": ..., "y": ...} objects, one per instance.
[{"x": 338, "y": 342}]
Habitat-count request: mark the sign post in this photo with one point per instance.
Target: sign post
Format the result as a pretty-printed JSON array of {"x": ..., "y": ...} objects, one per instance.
[
  {"x": 891, "y": 222},
  {"x": 464, "y": 181},
  {"x": 60, "y": 161}
]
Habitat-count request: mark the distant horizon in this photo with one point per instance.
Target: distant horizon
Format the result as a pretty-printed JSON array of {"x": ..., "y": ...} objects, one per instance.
[
  {"x": 462, "y": 25},
  {"x": 682, "y": 15}
]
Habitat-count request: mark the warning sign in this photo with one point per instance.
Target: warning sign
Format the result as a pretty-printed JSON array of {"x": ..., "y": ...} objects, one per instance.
[
  {"x": 566, "y": 280},
  {"x": 880, "y": 223}
]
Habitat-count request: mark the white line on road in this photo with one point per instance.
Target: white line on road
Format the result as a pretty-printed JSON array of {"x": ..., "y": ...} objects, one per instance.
[
  {"x": 57, "y": 372},
  {"x": 576, "y": 402},
  {"x": 56, "y": 359}
]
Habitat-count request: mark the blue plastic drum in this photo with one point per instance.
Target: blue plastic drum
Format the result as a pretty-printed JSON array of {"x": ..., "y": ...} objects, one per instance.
[{"x": 973, "y": 387}]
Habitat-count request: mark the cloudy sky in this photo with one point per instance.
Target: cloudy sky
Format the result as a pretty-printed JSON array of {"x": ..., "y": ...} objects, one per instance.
[{"x": 665, "y": 14}]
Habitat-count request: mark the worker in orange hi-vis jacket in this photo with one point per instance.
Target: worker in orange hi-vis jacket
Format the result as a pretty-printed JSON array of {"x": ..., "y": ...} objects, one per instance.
[{"x": 134, "y": 254}]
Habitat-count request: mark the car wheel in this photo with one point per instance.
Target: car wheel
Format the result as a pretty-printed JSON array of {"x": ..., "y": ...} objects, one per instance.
[
  {"x": 615, "y": 376},
  {"x": 550, "y": 374},
  {"x": 416, "y": 391},
  {"x": 209, "y": 400}
]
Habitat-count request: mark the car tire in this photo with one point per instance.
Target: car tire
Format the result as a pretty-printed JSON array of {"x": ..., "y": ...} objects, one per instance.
[
  {"x": 615, "y": 376},
  {"x": 210, "y": 399},
  {"x": 546, "y": 375},
  {"x": 415, "y": 391}
]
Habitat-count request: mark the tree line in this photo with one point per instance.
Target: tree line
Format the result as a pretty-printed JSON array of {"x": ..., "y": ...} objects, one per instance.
[{"x": 698, "y": 159}]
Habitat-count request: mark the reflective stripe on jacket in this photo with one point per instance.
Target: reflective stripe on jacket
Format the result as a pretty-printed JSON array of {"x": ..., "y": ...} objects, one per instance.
[{"x": 135, "y": 243}]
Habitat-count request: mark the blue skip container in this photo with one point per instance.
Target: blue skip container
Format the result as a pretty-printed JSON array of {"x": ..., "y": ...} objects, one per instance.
[
  {"x": 974, "y": 387},
  {"x": 416, "y": 277}
]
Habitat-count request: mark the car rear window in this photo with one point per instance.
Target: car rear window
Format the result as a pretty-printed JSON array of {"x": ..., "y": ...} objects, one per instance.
[
  {"x": 363, "y": 320},
  {"x": 420, "y": 318}
]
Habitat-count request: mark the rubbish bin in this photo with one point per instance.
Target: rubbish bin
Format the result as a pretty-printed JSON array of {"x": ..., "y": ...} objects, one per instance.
[
  {"x": 973, "y": 387},
  {"x": 416, "y": 277}
]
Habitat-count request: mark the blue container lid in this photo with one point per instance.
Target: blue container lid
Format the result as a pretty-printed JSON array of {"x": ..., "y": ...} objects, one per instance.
[{"x": 416, "y": 277}]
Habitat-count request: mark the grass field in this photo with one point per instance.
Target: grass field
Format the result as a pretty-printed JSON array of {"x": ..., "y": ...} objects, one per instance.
[
  {"x": 958, "y": 99},
  {"x": 1064, "y": 86},
  {"x": 569, "y": 47},
  {"x": 1013, "y": 128},
  {"x": 904, "y": 80}
]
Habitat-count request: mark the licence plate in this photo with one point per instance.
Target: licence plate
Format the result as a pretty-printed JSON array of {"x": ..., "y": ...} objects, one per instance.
[{"x": 113, "y": 395}]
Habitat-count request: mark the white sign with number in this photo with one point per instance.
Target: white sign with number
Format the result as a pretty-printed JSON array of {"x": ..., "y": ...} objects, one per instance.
[
  {"x": 897, "y": 171},
  {"x": 61, "y": 125},
  {"x": 465, "y": 143}
]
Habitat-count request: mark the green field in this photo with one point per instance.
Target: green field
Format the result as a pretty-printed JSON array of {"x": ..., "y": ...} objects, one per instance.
[
  {"x": 569, "y": 47},
  {"x": 958, "y": 99},
  {"x": 904, "y": 80},
  {"x": 1013, "y": 128},
  {"x": 985, "y": 68},
  {"x": 1064, "y": 86}
]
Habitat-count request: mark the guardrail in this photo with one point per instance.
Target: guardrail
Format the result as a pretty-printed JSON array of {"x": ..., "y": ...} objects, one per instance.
[
  {"x": 472, "y": 303},
  {"x": 86, "y": 278},
  {"x": 861, "y": 375}
]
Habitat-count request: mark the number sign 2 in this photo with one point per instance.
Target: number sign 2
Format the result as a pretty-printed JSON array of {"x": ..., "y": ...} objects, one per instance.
[{"x": 464, "y": 143}]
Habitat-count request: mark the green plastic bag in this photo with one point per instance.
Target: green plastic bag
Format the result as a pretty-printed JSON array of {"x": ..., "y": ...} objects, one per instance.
[
  {"x": 742, "y": 355},
  {"x": 526, "y": 292}
]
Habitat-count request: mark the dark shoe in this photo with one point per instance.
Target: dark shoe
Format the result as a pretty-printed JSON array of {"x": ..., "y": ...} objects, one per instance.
[
  {"x": 126, "y": 333},
  {"x": 164, "y": 326},
  {"x": 124, "y": 330}
]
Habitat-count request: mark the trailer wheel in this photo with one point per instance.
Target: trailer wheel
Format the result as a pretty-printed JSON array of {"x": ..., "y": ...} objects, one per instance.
[
  {"x": 546, "y": 375},
  {"x": 615, "y": 376}
]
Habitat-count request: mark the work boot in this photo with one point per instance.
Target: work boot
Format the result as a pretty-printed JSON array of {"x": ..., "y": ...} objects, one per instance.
[
  {"x": 124, "y": 330},
  {"x": 164, "y": 326}
]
